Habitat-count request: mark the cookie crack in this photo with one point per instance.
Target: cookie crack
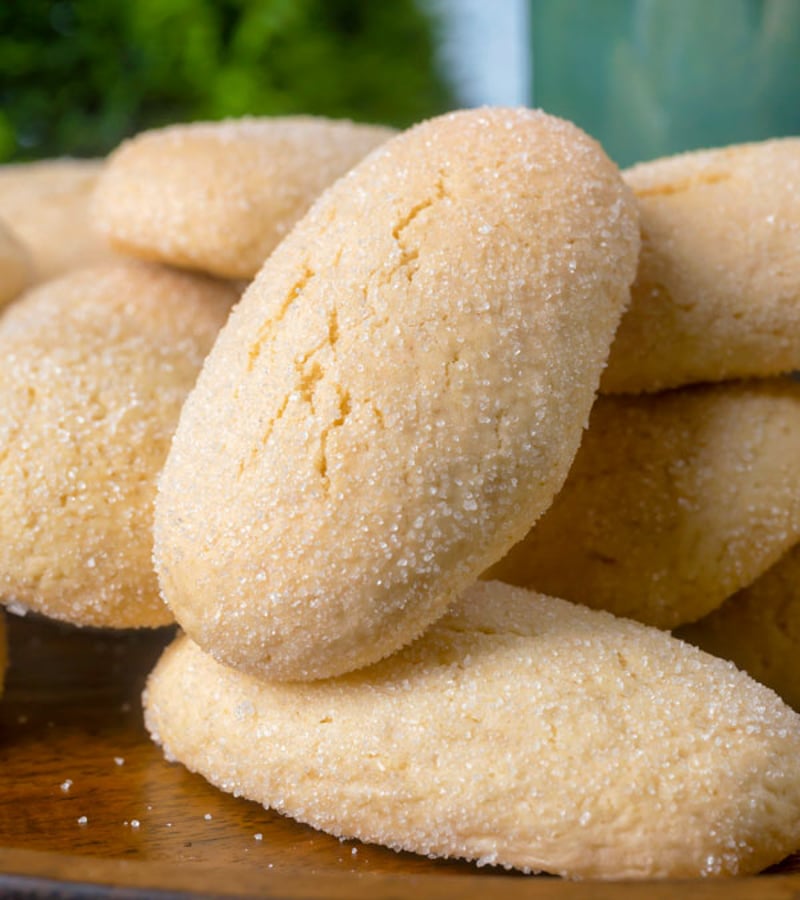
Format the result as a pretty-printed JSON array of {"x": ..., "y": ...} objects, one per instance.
[
  {"x": 454, "y": 360},
  {"x": 257, "y": 447},
  {"x": 308, "y": 378},
  {"x": 378, "y": 413},
  {"x": 309, "y": 373},
  {"x": 685, "y": 184},
  {"x": 344, "y": 406},
  {"x": 409, "y": 254},
  {"x": 265, "y": 331}
]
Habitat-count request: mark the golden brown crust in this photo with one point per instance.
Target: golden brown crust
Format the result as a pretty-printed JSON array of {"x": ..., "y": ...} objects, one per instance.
[
  {"x": 219, "y": 196},
  {"x": 759, "y": 629},
  {"x": 717, "y": 295},
  {"x": 96, "y": 365},
  {"x": 675, "y": 501},
  {"x": 519, "y": 730},
  {"x": 46, "y": 204},
  {"x": 398, "y": 395}
]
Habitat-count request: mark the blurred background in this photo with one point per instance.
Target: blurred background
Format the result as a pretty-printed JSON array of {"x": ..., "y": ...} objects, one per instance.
[{"x": 646, "y": 77}]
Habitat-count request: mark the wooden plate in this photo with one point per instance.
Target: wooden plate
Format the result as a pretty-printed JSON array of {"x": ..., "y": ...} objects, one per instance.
[{"x": 87, "y": 803}]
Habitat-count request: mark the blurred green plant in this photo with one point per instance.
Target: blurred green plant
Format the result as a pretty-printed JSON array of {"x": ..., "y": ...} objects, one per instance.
[
  {"x": 652, "y": 77},
  {"x": 77, "y": 76}
]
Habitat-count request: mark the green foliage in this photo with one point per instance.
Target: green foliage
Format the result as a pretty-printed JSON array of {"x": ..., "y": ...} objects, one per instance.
[
  {"x": 651, "y": 77},
  {"x": 76, "y": 76}
]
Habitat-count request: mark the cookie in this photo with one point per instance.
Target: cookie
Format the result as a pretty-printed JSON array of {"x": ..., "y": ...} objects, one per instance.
[
  {"x": 520, "y": 731},
  {"x": 96, "y": 365},
  {"x": 759, "y": 629},
  {"x": 717, "y": 295},
  {"x": 675, "y": 502},
  {"x": 46, "y": 205},
  {"x": 397, "y": 396},
  {"x": 219, "y": 196},
  {"x": 15, "y": 266}
]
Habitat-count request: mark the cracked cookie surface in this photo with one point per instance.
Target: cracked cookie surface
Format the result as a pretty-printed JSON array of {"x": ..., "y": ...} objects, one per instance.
[{"x": 397, "y": 396}]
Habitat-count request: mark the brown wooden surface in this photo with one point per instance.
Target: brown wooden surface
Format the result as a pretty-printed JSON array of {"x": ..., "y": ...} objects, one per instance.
[{"x": 72, "y": 713}]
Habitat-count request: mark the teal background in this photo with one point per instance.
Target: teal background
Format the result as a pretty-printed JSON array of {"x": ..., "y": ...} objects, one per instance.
[{"x": 653, "y": 77}]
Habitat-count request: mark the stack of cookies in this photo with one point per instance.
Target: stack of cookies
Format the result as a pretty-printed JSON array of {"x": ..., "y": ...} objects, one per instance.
[
  {"x": 399, "y": 395},
  {"x": 99, "y": 355},
  {"x": 683, "y": 505}
]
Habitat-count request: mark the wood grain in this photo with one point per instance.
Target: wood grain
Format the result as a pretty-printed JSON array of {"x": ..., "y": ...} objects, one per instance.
[{"x": 72, "y": 745}]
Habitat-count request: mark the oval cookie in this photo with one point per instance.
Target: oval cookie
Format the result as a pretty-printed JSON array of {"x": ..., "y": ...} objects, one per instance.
[
  {"x": 398, "y": 395},
  {"x": 717, "y": 295},
  {"x": 520, "y": 731},
  {"x": 219, "y": 196},
  {"x": 95, "y": 368},
  {"x": 46, "y": 204},
  {"x": 15, "y": 266},
  {"x": 675, "y": 501},
  {"x": 759, "y": 629}
]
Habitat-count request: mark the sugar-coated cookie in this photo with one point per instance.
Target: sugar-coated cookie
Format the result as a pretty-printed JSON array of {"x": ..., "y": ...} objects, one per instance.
[
  {"x": 717, "y": 295},
  {"x": 218, "y": 196},
  {"x": 16, "y": 269},
  {"x": 398, "y": 395},
  {"x": 46, "y": 205},
  {"x": 95, "y": 368},
  {"x": 519, "y": 730},
  {"x": 759, "y": 629},
  {"x": 675, "y": 501}
]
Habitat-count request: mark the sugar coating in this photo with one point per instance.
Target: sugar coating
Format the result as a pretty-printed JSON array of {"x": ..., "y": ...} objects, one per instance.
[
  {"x": 675, "y": 501},
  {"x": 16, "y": 266},
  {"x": 717, "y": 295},
  {"x": 759, "y": 628},
  {"x": 520, "y": 731},
  {"x": 46, "y": 204},
  {"x": 219, "y": 196},
  {"x": 95, "y": 368},
  {"x": 398, "y": 395}
]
